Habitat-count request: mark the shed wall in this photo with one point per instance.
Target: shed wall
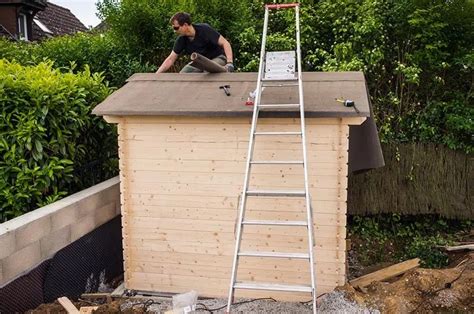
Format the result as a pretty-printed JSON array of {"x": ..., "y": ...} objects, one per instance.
[{"x": 181, "y": 181}]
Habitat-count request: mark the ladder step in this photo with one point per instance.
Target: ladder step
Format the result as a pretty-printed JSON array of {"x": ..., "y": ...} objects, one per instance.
[
  {"x": 277, "y": 162},
  {"x": 275, "y": 222},
  {"x": 288, "y": 79},
  {"x": 276, "y": 254},
  {"x": 277, "y": 133},
  {"x": 279, "y": 106},
  {"x": 272, "y": 287},
  {"x": 280, "y": 85},
  {"x": 276, "y": 193}
]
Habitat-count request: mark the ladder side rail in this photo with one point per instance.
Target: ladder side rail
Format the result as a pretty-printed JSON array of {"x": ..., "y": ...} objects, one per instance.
[
  {"x": 305, "y": 159},
  {"x": 248, "y": 162}
]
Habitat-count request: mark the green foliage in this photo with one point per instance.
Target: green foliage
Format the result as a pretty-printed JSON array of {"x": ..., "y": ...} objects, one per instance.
[
  {"x": 152, "y": 37},
  {"x": 47, "y": 132},
  {"x": 394, "y": 238},
  {"x": 100, "y": 52},
  {"x": 417, "y": 57}
]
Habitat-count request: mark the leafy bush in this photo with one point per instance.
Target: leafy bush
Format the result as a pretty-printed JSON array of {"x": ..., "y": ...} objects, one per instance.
[
  {"x": 47, "y": 132},
  {"x": 99, "y": 52},
  {"x": 142, "y": 26},
  {"x": 395, "y": 238}
]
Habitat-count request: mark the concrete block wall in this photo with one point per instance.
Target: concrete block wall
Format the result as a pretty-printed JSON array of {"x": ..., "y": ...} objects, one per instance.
[{"x": 28, "y": 240}]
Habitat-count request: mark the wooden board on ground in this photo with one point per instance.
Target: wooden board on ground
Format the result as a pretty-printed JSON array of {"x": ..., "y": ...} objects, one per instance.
[
  {"x": 386, "y": 273},
  {"x": 460, "y": 247},
  {"x": 88, "y": 309},
  {"x": 68, "y": 306}
]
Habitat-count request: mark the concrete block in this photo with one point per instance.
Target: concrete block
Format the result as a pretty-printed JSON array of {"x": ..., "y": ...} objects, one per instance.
[
  {"x": 65, "y": 216},
  {"x": 7, "y": 244},
  {"x": 105, "y": 213},
  {"x": 82, "y": 227},
  {"x": 21, "y": 261},
  {"x": 55, "y": 241},
  {"x": 90, "y": 204},
  {"x": 32, "y": 231}
]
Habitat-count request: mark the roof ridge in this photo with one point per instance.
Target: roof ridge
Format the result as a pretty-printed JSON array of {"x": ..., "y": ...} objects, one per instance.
[{"x": 57, "y": 5}]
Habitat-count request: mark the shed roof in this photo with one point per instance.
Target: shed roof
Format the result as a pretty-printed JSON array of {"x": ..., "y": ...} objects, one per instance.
[{"x": 198, "y": 94}]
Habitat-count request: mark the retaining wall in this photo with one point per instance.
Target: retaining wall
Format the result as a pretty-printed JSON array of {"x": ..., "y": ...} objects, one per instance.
[{"x": 28, "y": 240}]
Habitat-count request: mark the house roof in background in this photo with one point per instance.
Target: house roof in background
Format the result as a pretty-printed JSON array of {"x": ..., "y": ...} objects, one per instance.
[
  {"x": 58, "y": 20},
  {"x": 5, "y": 33}
]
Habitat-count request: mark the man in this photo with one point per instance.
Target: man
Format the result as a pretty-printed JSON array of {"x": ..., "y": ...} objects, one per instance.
[{"x": 200, "y": 38}]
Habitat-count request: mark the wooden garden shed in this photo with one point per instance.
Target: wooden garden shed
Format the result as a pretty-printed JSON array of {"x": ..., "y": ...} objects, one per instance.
[{"x": 182, "y": 150}]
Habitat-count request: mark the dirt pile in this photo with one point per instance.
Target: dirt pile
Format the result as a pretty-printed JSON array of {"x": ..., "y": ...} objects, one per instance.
[{"x": 421, "y": 290}]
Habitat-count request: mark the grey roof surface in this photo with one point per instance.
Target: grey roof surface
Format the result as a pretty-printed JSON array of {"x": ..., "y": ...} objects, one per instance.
[
  {"x": 198, "y": 94},
  {"x": 59, "y": 20}
]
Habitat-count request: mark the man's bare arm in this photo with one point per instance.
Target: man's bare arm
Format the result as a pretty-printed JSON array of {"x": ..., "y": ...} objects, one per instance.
[
  {"x": 227, "y": 48},
  {"x": 169, "y": 61}
]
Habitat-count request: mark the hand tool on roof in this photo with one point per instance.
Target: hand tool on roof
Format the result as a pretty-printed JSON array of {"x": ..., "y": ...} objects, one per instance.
[
  {"x": 226, "y": 89},
  {"x": 277, "y": 67},
  {"x": 348, "y": 103},
  {"x": 205, "y": 64}
]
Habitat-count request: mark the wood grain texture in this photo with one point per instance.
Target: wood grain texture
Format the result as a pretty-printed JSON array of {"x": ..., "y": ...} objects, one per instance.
[{"x": 181, "y": 184}]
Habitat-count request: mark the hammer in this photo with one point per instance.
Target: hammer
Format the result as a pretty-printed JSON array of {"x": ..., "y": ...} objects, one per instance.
[{"x": 226, "y": 89}]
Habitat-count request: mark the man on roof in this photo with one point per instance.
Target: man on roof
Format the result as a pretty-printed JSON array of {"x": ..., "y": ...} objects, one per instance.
[{"x": 200, "y": 38}]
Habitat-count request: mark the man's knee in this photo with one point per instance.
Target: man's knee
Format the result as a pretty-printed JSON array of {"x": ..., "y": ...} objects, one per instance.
[
  {"x": 221, "y": 60},
  {"x": 190, "y": 69}
]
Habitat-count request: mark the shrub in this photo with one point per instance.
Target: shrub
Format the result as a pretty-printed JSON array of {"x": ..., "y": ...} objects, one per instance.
[
  {"x": 47, "y": 132},
  {"x": 395, "y": 238},
  {"x": 99, "y": 52}
]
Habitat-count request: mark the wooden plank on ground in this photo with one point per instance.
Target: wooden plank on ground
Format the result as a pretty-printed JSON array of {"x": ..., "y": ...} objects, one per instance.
[
  {"x": 119, "y": 291},
  {"x": 459, "y": 247},
  {"x": 87, "y": 309},
  {"x": 68, "y": 306},
  {"x": 386, "y": 273}
]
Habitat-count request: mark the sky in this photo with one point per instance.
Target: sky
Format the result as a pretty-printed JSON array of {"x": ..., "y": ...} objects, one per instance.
[{"x": 84, "y": 10}]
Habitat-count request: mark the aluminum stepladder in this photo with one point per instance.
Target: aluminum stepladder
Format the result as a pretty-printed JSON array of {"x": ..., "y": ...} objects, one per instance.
[{"x": 276, "y": 66}]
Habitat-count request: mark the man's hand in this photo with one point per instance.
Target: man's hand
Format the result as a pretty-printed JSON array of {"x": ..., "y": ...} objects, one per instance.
[{"x": 229, "y": 67}]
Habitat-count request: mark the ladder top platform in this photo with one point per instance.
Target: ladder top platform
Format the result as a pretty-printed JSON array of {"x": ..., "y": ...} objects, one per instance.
[{"x": 198, "y": 94}]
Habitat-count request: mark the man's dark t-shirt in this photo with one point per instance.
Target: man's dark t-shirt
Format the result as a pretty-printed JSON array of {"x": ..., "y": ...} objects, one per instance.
[{"x": 204, "y": 42}]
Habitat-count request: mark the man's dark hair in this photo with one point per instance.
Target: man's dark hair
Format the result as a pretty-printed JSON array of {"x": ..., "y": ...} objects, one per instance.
[{"x": 181, "y": 18}]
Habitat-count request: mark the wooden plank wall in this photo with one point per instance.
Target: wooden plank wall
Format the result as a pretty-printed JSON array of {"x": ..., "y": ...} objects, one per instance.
[{"x": 181, "y": 180}]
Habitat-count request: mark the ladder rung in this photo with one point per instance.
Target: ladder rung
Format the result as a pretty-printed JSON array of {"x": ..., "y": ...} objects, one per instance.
[
  {"x": 276, "y": 193},
  {"x": 279, "y": 106},
  {"x": 276, "y": 254},
  {"x": 272, "y": 287},
  {"x": 280, "y": 85},
  {"x": 277, "y": 162},
  {"x": 288, "y": 79},
  {"x": 277, "y": 133},
  {"x": 275, "y": 222}
]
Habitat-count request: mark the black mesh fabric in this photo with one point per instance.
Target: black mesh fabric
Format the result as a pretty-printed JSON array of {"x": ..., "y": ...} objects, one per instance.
[
  {"x": 73, "y": 270},
  {"x": 25, "y": 292},
  {"x": 82, "y": 265}
]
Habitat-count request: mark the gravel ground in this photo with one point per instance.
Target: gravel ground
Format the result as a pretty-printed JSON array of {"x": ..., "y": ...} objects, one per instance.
[{"x": 334, "y": 302}]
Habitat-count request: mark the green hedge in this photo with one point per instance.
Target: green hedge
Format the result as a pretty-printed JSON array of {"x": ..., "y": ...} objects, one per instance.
[
  {"x": 47, "y": 132},
  {"x": 100, "y": 52}
]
